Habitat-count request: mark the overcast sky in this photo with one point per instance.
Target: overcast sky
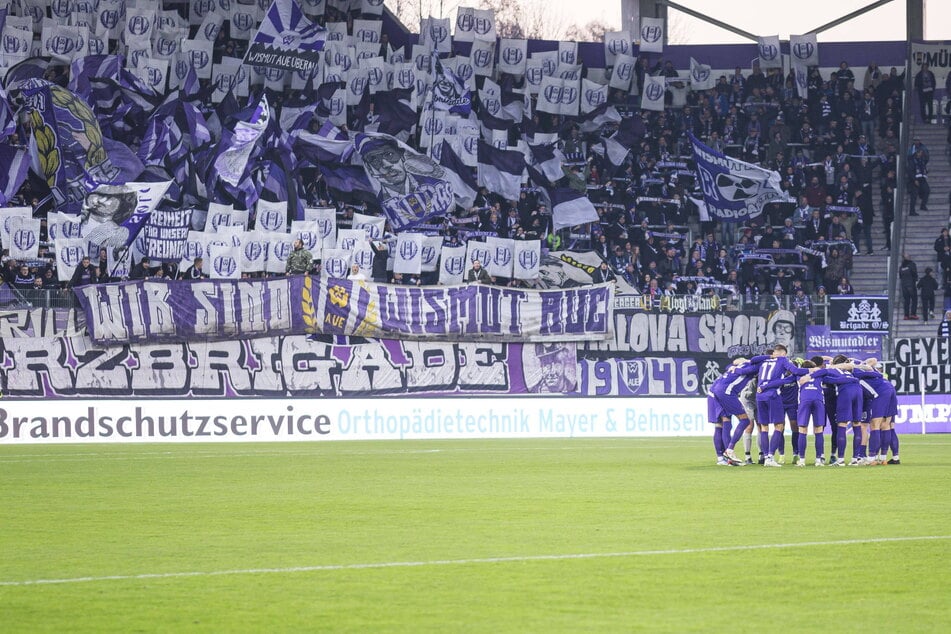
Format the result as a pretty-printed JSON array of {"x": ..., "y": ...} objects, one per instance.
[{"x": 766, "y": 17}]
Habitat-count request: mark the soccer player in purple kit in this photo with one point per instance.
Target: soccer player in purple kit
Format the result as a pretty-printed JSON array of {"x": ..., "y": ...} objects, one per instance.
[
  {"x": 789, "y": 393},
  {"x": 769, "y": 404},
  {"x": 811, "y": 407},
  {"x": 848, "y": 407},
  {"x": 879, "y": 406},
  {"x": 726, "y": 390}
]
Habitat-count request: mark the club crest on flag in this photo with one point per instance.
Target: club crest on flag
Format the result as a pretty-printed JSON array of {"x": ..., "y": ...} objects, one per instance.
[
  {"x": 512, "y": 55},
  {"x": 24, "y": 239},
  {"x": 408, "y": 250},
  {"x": 138, "y": 25},
  {"x": 479, "y": 253},
  {"x": 803, "y": 50},
  {"x": 225, "y": 265},
  {"x": 654, "y": 91},
  {"x": 253, "y": 251},
  {"x": 651, "y": 33},
  {"x": 528, "y": 259},
  {"x": 768, "y": 52}
]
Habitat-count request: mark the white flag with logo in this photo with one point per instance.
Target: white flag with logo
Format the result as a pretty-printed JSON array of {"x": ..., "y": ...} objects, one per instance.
[
  {"x": 654, "y": 90},
  {"x": 432, "y": 245},
  {"x": 63, "y": 225},
  {"x": 476, "y": 250},
  {"x": 616, "y": 43},
  {"x": 7, "y": 217},
  {"x": 326, "y": 218},
  {"x": 804, "y": 49},
  {"x": 701, "y": 77},
  {"x": 512, "y": 56},
  {"x": 307, "y": 232},
  {"x": 24, "y": 238},
  {"x": 567, "y": 52},
  {"x": 69, "y": 253},
  {"x": 769, "y": 54},
  {"x": 223, "y": 262},
  {"x": 623, "y": 72},
  {"x": 362, "y": 255},
  {"x": 408, "y": 257},
  {"x": 254, "y": 246},
  {"x": 347, "y": 239},
  {"x": 593, "y": 95},
  {"x": 373, "y": 225},
  {"x": 278, "y": 249},
  {"x": 527, "y": 259},
  {"x": 652, "y": 35},
  {"x": 271, "y": 216},
  {"x": 482, "y": 56},
  {"x": 336, "y": 262},
  {"x": 452, "y": 265},
  {"x": 802, "y": 80},
  {"x": 502, "y": 253}
]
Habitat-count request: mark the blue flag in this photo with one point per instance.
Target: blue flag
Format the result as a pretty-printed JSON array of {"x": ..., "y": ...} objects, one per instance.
[{"x": 734, "y": 190}]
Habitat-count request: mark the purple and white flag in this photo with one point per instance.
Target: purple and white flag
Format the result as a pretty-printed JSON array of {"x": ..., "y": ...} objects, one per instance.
[
  {"x": 286, "y": 39},
  {"x": 24, "y": 241},
  {"x": 223, "y": 261},
  {"x": 526, "y": 259},
  {"x": 452, "y": 265},
  {"x": 652, "y": 35},
  {"x": 69, "y": 253},
  {"x": 502, "y": 256},
  {"x": 770, "y": 55},
  {"x": 408, "y": 254}
]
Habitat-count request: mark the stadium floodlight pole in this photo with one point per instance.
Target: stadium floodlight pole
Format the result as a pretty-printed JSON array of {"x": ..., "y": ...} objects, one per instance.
[{"x": 706, "y": 18}]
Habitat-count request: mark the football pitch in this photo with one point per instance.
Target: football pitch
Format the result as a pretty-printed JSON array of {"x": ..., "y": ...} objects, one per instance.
[{"x": 469, "y": 536}]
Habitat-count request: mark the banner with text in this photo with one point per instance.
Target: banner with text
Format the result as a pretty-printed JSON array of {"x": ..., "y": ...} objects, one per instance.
[{"x": 173, "y": 310}]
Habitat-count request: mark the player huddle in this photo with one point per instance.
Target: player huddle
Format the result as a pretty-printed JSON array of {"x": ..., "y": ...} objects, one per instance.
[{"x": 767, "y": 390}]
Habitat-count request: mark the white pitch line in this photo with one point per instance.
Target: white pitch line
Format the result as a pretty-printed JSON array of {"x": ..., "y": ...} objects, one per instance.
[{"x": 463, "y": 562}]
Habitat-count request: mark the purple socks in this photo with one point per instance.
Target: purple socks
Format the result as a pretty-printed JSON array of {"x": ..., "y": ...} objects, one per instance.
[{"x": 820, "y": 445}]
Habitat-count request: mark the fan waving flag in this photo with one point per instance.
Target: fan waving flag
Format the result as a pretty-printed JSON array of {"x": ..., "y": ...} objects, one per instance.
[
  {"x": 286, "y": 39},
  {"x": 734, "y": 190}
]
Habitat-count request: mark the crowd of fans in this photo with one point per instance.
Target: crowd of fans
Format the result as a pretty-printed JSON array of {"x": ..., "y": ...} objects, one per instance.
[{"x": 836, "y": 152}]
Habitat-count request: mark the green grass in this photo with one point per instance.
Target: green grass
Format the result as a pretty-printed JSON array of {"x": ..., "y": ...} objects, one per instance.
[{"x": 95, "y": 511}]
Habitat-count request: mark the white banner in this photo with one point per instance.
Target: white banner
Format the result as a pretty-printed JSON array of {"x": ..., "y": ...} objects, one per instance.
[
  {"x": 653, "y": 97},
  {"x": 308, "y": 232},
  {"x": 502, "y": 254},
  {"x": 336, "y": 262},
  {"x": 623, "y": 72},
  {"x": 769, "y": 52},
  {"x": 804, "y": 49},
  {"x": 701, "y": 77},
  {"x": 526, "y": 260},
  {"x": 482, "y": 55},
  {"x": 69, "y": 253},
  {"x": 616, "y": 43},
  {"x": 24, "y": 238},
  {"x": 278, "y": 249},
  {"x": 432, "y": 246},
  {"x": 452, "y": 265},
  {"x": 347, "y": 239},
  {"x": 223, "y": 261},
  {"x": 326, "y": 218},
  {"x": 512, "y": 56},
  {"x": 232, "y": 420},
  {"x": 408, "y": 256},
  {"x": 652, "y": 35},
  {"x": 271, "y": 216},
  {"x": 254, "y": 246}
]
